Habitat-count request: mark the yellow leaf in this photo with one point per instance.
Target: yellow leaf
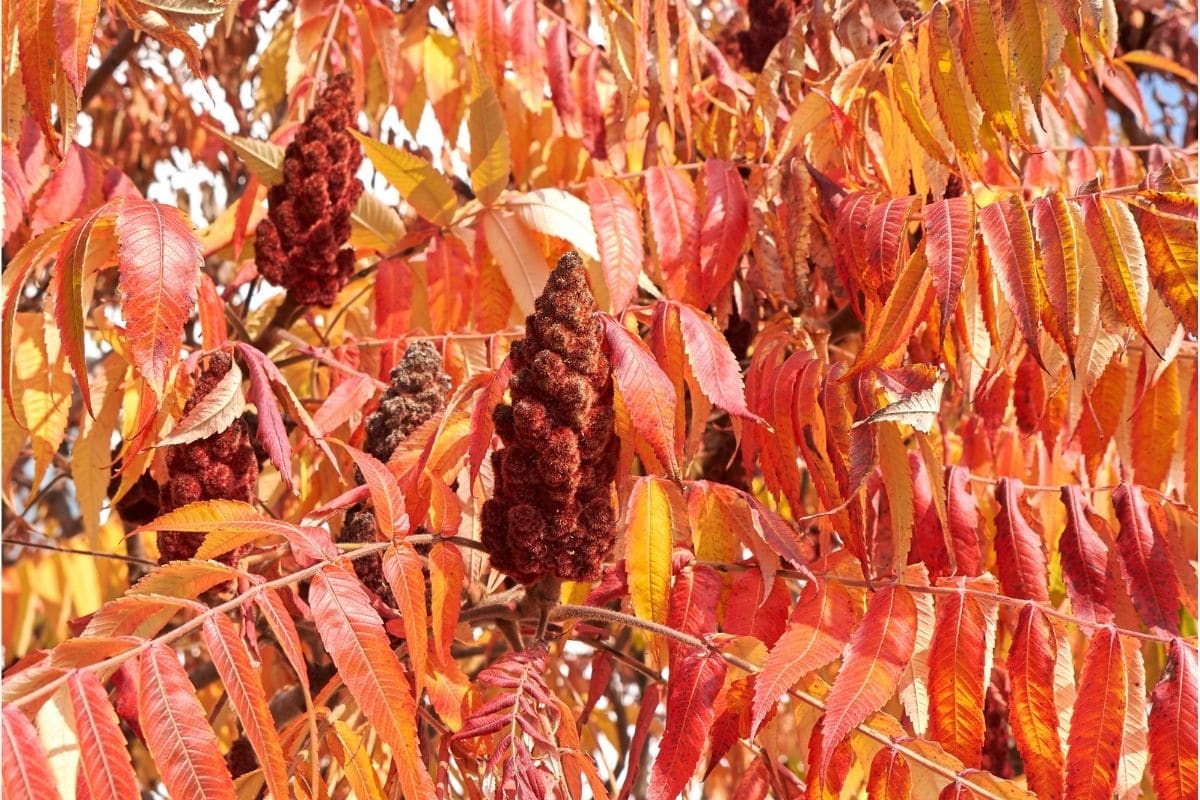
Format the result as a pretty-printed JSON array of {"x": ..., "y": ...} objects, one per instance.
[
  {"x": 42, "y": 387},
  {"x": 985, "y": 65},
  {"x": 490, "y": 161},
  {"x": 655, "y": 516},
  {"x": 897, "y": 482},
  {"x": 906, "y": 94},
  {"x": 1156, "y": 428},
  {"x": 421, "y": 186},
  {"x": 943, "y": 71},
  {"x": 355, "y": 760}
]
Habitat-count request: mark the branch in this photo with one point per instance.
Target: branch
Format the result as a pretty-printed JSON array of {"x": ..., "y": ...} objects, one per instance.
[{"x": 113, "y": 59}]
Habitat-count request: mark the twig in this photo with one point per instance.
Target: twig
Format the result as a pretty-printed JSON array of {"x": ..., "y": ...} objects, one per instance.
[
  {"x": 93, "y": 553},
  {"x": 113, "y": 59}
]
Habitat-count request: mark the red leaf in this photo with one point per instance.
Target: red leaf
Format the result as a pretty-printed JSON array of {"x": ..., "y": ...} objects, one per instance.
[
  {"x": 619, "y": 237},
  {"x": 671, "y": 203},
  {"x": 349, "y": 397},
  {"x": 74, "y": 24},
  {"x": 1145, "y": 562},
  {"x": 695, "y": 682},
  {"x": 949, "y": 232},
  {"x": 248, "y": 698},
  {"x": 593, "y": 113},
  {"x": 1020, "y": 551},
  {"x": 641, "y": 731},
  {"x": 526, "y": 51},
  {"x": 558, "y": 70},
  {"x": 1009, "y": 240},
  {"x": 645, "y": 388},
  {"x": 402, "y": 568},
  {"x": 353, "y": 634},
  {"x": 850, "y": 229},
  {"x": 482, "y": 427},
  {"x": 270, "y": 432},
  {"x": 723, "y": 233},
  {"x": 890, "y": 777},
  {"x": 962, "y": 512},
  {"x": 825, "y": 781},
  {"x": 1173, "y": 726},
  {"x": 106, "y": 771},
  {"x": 83, "y": 251},
  {"x": 1085, "y": 560},
  {"x": 1098, "y": 721},
  {"x": 748, "y": 614},
  {"x": 956, "y": 679},
  {"x": 159, "y": 259},
  {"x": 1031, "y": 709},
  {"x": 879, "y": 650},
  {"x": 887, "y": 233},
  {"x": 26, "y": 771},
  {"x": 712, "y": 363},
  {"x": 821, "y": 623},
  {"x": 692, "y": 604},
  {"x": 177, "y": 732}
]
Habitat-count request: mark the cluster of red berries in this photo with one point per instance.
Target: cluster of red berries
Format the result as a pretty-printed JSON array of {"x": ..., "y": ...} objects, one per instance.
[
  {"x": 218, "y": 467},
  {"x": 552, "y": 510},
  {"x": 300, "y": 243},
  {"x": 418, "y": 391}
]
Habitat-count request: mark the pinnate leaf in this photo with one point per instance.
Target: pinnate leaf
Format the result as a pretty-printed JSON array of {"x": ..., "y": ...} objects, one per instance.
[
  {"x": 1059, "y": 235},
  {"x": 1031, "y": 708},
  {"x": 1094, "y": 744},
  {"x": 671, "y": 204},
  {"x": 890, "y": 777},
  {"x": 879, "y": 650},
  {"x": 1173, "y": 726},
  {"x": 1121, "y": 257},
  {"x": 949, "y": 232},
  {"x": 1020, "y": 550},
  {"x": 1170, "y": 244},
  {"x": 619, "y": 238},
  {"x": 656, "y": 513},
  {"x": 820, "y": 626},
  {"x": 1009, "y": 239},
  {"x": 422, "y": 187},
  {"x": 695, "y": 681},
  {"x": 723, "y": 232},
  {"x": 104, "y": 759},
  {"x": 27, "y": 774},
  {"x": 1145, "y": 561},
  {"x": 248, "y": 698},
  {"x": 1085, "y": 559},
  {"x": 176, "y": 729},
  {"x": 712, "y": 363},
  {"x": 354, "y": 636},
  {"x": 402, "y": 568},
  {"x": 159, "y": 259},
  {"x": 645, "y": 388},
  {"x": 956, "y": 679}
]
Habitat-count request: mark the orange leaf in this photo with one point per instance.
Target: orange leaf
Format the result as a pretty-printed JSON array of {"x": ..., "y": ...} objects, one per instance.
[
  {"x": 1009, "y": 239},
  {"x": 159, "y": 259},
  {"x": 671, "y": 203},
  {"x": 104, "y": 758},
  {"x": 248, "y": 698},
  {"x": 948, "y": 92},
  {"x": 402, "y": 568},
  {"x": 176, "y": 729},
  {"x": 1031, "y": 709},
  {"x": 1098, "y": 720},
  {"x": 981, "y": 42},
  {"x": 890, "y": 777},
  {"x": 645, "y": 388},
  {"x": 385, "y": 493},
  {"x": 956, "y": 679},
  {"x": 894, "y": 323},
  {"x": 74, "y": 25},
  {"x": 712, "y": 363},
  {"x": 1058, "y": 232},
  {"x": 1155, "y": 427},
  {"x": 27, "y": 774},
  {"x": 879, "y": 650},
  {"x": 445, "y": 582},
  {"x": 273, "y": 610},
  {"x": 1020, "y": 550},
  {"x": 619, "y": 237},
  {"x": 1170, "y": 244},
  {"x": 820, "y": 625},
  {"x": 1173, "y": 726},
  {"x": 82, "y": 253},
  {"x": 354, "y": 636},
  {"x": 1121, "y": 257}
]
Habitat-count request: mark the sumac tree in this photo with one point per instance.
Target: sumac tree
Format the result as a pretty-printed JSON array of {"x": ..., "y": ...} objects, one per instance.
[{"x": 461, "y": 398}]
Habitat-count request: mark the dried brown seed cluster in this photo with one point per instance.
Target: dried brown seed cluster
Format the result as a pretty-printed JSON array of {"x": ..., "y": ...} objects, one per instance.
[
  {"x": 552, "y": 511},
  {"x": 218, "y": 467},
  {"x": 300, "y": 243},
  {"x": 418, "y": 391}
]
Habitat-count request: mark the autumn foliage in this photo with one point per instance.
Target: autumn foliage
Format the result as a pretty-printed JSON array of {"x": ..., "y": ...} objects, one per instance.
[{"x": 739, "y": 399}]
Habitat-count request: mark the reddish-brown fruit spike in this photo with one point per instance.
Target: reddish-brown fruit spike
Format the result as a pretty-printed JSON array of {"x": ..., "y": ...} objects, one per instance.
[
  {"x": 552, "y": 512},
  {"x": 418, "y": 391},
  {"x": 218, "y": 467},
  {"x": 300, "y": 243}
]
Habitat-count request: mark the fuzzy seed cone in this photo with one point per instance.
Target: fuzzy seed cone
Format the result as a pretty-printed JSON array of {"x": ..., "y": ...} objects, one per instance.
[
  {"x": 219, "y": 467},
  {"x": 551, "y": 512},
  {"x": 418, "y": 391},
  {"x": 300, "y": 243}
]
